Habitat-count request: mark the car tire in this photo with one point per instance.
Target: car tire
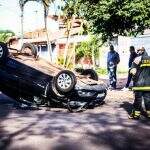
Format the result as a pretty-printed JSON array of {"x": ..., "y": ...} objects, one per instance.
[
  {"x": 64, "y": 81},
  {"x": 3, "y": 52},
  {"x": 91, "y": 73},
  {"x": 53, "y": 92},
  {"x": 33, "y": 48}
]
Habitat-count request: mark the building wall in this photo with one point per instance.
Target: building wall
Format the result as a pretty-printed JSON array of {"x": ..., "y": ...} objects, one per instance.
[
  {"x": 121, "y": 45},
  {"x": 142, "y": 41}
]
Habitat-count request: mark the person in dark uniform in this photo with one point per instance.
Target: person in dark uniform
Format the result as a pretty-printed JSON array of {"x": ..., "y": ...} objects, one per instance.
[
  {"x": 141, "y": 72},
  {"x": 133, "y": 55},
  {"x": 112, "y": 61}
]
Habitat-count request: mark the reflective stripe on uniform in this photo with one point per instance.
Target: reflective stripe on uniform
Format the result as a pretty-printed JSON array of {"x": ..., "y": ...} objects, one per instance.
[
  {"x": 145, "y": 65},
  {"x": 148, "y": 112},
  {"x": 137, "y": 113},
  {"x": 146, "y": 88}
]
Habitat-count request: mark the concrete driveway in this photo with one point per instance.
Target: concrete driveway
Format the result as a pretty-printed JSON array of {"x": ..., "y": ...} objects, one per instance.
[{"x": 103, "y": 128}]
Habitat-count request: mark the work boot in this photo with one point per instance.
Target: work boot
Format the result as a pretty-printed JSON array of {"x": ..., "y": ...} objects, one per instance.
[
  {"x": 148, "y": 114},
  {"x": 135, "y": 115}
]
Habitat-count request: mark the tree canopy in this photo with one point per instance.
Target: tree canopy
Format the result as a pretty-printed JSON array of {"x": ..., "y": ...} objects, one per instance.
[
  {"x": 84, "y": 49},
  {"x": 111, "y": 17}
]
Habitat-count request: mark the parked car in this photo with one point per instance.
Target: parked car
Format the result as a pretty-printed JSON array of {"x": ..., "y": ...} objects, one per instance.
[{"x": 27, "y": 78}]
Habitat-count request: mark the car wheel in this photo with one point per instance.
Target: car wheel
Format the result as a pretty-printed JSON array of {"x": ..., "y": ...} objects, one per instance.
[
  {"x": 3, "y": 52},
  {"x": 91, "y": 73},
  {"x": 65, "y": 81},
  {"x": 53, "y": 91},
  {"x": 31, "y": 47}
]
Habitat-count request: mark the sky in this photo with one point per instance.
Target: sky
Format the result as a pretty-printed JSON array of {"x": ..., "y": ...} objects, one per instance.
[{"x": 10, "y": 15}]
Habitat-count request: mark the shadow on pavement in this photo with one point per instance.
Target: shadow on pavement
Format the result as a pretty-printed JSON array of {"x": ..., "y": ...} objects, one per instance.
[
  {"x": 65, "y": 131},
  {"x": 127, "y": 106},
  {"x": 103, "y": 128}
]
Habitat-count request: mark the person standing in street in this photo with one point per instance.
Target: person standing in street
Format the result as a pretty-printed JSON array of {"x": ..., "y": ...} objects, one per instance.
[
  {"x": 141, "y": 76},
  {"x": 133, "y": 55},
  {"x": 113, "y": 59}
]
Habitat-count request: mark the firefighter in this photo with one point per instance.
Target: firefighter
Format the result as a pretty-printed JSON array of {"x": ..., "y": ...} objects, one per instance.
[{"x": 141, "y": 87}]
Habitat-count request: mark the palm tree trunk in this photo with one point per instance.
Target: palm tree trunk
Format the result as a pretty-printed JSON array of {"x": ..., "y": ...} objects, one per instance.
[
  {"x": 22, "y": 21},
  {"x": 73, "y": 50},
  {"x": 46, "y": 5},
  {"x": 22, "y": 4},
  {"x": 49, "y": 47},
  {"x": 71, "y": 55},
  {"x": 66, "y": 48},
  {"x": 67, "y": 42},
  {"x": 93, "y": 58}
]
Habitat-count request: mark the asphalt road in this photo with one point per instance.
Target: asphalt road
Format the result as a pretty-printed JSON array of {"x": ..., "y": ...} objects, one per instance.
[{"x": 103, "y": 128}]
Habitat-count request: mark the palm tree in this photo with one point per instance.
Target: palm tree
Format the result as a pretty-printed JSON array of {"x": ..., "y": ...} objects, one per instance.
[
  {"x": 46, "y": 8},
  {"x": 69, "y": 25},
  {"x": 70, "y": 11},
  {"x": 72, "y": 54}
]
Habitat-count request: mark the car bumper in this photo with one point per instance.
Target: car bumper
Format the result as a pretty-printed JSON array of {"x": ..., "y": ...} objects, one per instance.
[{"x": 91, "y": 91}]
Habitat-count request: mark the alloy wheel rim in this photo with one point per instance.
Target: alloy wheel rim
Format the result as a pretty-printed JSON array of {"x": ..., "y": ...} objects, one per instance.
[
  {"x": 64, "y": 81},
  {"x": 1, "y": 51}
]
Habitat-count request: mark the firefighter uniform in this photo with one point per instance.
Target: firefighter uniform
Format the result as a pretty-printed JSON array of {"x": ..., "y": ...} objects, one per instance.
[{"x": 141, "y": 71}]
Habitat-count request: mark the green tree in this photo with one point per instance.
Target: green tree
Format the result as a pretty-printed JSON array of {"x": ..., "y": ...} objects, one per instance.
[
  {"x": 5, "y": 34},
  {"x": 89, "y": 49},
  {"x": 116, "y": 17},
  {"x": 71, "y": 12}
]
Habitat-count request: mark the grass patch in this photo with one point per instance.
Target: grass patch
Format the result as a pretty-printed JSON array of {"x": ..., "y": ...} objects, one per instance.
[{"x": 103, "y": 71}]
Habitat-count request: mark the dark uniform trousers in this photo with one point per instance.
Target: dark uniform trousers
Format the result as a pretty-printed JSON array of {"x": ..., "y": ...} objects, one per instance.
[{"x": 139, "y": 95}]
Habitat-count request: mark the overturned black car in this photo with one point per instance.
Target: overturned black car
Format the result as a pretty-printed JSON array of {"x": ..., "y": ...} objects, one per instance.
[{"x": 27, "y": 78}]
